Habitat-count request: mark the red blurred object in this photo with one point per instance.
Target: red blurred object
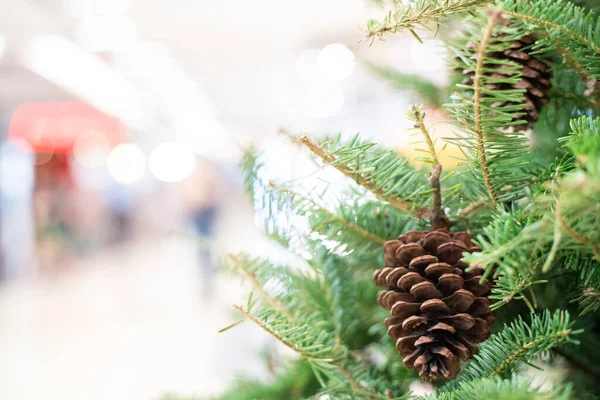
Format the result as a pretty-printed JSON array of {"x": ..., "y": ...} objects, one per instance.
[{"x": 55, "y": 127}]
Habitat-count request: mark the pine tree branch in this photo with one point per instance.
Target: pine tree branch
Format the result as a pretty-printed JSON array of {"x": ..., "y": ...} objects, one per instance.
[
  {"x": 572, "y": 29},
  {"x": 486, "y": 259},
  {"x": 507, "y": 289},
  {"x": 342, "y": 221},
  {"x": 524, "y": 348},
  {"x": 335, "y": 362},
  {"x": 274, "y": 302},
  {"x": 281, "y": 339},
  {"x": 518, "y": 341},
  {"x": 589, "y": 300},
  {"x": 419, "y": 15},
  {"x": 550, "y": 25},
  {"x": 418, "y": 117},
  {"x": 591, "y": 96},
  {"x": 495, "y": 148},
  {"x": 358, "y": 178},
  {"x": 516, "y": 387},
  {"x": 477, "y": 95}
]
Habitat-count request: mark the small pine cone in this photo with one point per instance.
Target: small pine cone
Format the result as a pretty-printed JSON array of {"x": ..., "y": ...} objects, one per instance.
[
  {"x": 536, "y": 75},
  {"x": 439, "y": 310}
]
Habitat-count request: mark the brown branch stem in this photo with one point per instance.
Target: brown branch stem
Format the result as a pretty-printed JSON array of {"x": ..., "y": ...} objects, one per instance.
[
  {"x": 437, "y": 217},
  {"x": 477, "y": 96},
  {"x": 578, "y": 236}
]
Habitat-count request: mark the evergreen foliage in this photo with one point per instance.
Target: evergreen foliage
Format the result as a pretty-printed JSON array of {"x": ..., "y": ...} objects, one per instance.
[
  {"x": 531, "y": 200},
  {"x": 572, "y": 29},
  {"x": 419, "y": 14},
  {"x": 515, "y": 388},
  {"x": 421, "y": 90},
  {"x": 517, "y": 342}
]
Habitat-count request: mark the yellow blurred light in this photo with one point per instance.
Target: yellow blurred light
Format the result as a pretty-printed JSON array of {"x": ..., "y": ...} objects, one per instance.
[{"x": 126, "y": 164}]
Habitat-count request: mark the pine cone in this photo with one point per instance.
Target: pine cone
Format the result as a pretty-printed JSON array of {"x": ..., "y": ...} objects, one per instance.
[
  {"x": 535, "y": 80},
  {"x": 439, "y": 310}
]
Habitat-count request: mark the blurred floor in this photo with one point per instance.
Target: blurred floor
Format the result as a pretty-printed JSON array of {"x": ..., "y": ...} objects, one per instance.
[{"x": 130, "y": 323}]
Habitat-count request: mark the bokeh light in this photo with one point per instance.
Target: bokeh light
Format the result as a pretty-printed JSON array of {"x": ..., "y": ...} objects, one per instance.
[
  {"x": 320, "y": 99},
  {"x": 126, "y": 163},
  {"x": 307, "y": 69},
  {"x": 336, "y": 62},
  {"x": 91, "y": 149},
  {"x": 429, "y": 55},
  {"x": 172, "y": 162}
]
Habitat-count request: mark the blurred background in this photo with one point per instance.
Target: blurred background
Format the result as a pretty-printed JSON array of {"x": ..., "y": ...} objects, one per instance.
[{"x": 121, "y": 125}]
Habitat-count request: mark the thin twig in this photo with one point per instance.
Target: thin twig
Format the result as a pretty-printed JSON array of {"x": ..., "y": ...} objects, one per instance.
[
  {"x": 437, "y": 217},
  {"x": 275, "y": 303},
  {"x": 341, "y": 220},
  {"x": 579, "y": 237},
  {"x": 557, "y": 237},
  {"x": 358, "y": 178},
  {"x": 356, "y": 388},
  {"x": 591, "y": 100},
  {"x": 477, "y": 96},
  {"x": 590, "y": 95},
  {"x": 471, "y": 208}
]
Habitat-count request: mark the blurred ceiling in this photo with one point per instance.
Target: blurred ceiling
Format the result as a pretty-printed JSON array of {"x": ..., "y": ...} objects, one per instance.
[{"x": 234, "y": 60}]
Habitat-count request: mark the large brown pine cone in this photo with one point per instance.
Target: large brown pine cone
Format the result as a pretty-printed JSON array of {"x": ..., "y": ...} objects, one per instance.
[
  {"x": 439, "y": 310},
  {"x": 536, "y": 75}
]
